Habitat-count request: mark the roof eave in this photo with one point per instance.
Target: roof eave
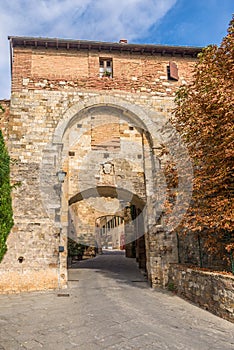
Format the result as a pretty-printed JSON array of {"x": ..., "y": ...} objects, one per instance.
[{"x": 103, "y": 46}]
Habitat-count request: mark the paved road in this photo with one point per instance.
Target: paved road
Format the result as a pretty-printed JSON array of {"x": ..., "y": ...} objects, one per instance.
[{"x": 110, "y": 306}]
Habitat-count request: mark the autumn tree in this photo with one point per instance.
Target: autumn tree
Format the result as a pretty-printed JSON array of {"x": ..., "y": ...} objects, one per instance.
[{"x": 204, "y": 117}]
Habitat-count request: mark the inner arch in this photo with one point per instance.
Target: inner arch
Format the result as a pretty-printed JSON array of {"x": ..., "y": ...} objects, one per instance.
[{"x": 109, "y": 191}]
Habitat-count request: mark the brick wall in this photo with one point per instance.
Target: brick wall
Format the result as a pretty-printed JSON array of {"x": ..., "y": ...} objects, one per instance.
[{"x": 69, "y": 69}]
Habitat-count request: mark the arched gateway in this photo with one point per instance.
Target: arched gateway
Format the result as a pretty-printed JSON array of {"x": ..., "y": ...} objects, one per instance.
[{"x": 112, "y": 144}]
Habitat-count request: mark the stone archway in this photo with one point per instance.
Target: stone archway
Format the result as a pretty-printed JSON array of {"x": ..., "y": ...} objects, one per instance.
[
  {"x": 136, "y": 114},
  {"x": 153, "y": 131}
]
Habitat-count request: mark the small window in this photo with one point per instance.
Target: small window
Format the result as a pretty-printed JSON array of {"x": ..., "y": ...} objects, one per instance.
[
  {"x": 172, "y": 71},
  {"x": 105, "y": 67}
]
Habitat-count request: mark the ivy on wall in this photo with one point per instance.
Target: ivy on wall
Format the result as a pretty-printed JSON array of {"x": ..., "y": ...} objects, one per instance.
[{"x": 6, "y": 213}]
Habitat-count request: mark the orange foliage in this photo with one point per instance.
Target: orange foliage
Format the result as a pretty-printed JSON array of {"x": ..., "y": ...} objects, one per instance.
[{"x": 204, "y": 117}]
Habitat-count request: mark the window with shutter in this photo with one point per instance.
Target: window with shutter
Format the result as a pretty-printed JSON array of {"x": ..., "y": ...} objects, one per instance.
[{"x": 173, "y": 71}]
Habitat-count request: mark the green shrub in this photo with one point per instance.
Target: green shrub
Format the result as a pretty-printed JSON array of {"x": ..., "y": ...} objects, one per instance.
[
  {"x": 171, "y": 287},
  {"x": 6, "y": 213}
]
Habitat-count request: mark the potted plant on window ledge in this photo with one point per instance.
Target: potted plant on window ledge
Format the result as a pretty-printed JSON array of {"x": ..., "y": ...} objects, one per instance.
[{"x": 106, "y": 74}]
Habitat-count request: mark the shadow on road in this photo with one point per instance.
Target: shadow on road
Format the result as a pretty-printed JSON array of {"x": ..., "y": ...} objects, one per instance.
[{"x": 113, "y": 264}]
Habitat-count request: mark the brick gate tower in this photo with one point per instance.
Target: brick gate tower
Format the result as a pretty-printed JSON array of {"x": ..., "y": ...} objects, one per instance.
[{"x": 89, "y": 134}]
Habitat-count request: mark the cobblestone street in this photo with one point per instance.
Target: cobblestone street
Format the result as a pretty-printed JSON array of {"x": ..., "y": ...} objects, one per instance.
[{"x": 108, "y": 305}]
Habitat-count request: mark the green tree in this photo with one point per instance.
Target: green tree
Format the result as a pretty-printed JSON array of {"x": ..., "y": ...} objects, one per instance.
[
  {"x": 204, "y": 117},
  {"x": 6, "y": 214}
]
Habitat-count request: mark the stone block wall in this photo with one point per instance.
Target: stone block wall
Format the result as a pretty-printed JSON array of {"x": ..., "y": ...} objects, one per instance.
[{"x": 210, "y": 290}]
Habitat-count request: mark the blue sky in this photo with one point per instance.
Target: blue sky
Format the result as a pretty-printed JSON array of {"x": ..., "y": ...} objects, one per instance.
[{"x": 169, "y": 22}]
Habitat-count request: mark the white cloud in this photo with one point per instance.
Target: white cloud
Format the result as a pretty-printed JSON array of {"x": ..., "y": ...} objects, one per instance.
[{"x": 99, "y": 20}]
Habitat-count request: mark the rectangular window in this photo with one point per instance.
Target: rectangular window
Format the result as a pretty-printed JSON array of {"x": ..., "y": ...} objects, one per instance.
[{"x": 105, "y": 67}]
